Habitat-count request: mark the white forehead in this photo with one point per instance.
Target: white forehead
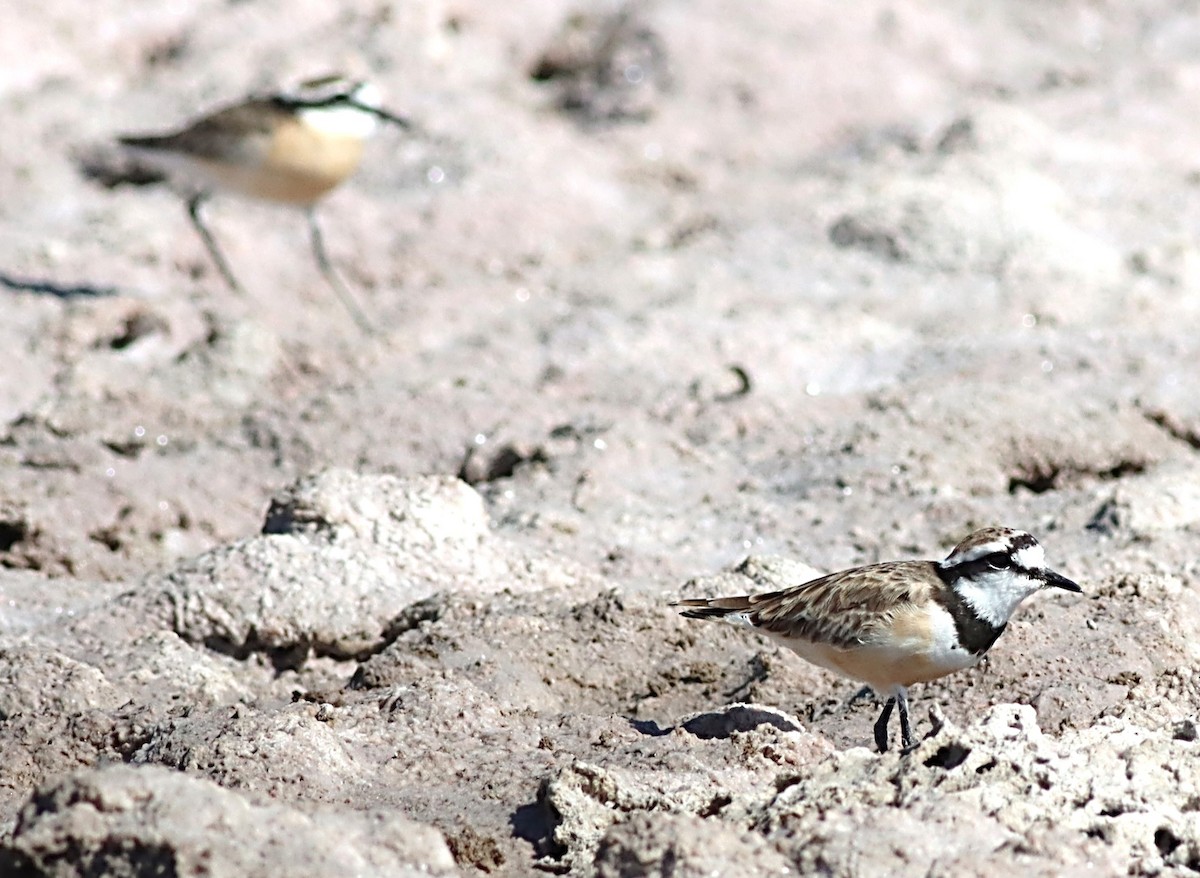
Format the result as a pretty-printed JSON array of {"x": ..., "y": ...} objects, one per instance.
[
  {"x": 1031, "y": 557},
  {"x": 368, "y": 94},
  {"x": 340, "y": 121}
]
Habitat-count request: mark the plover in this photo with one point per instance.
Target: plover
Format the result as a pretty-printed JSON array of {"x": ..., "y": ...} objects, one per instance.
[
  {"x": 289, "y": 148},
  {"x": 894, "y": 624}
]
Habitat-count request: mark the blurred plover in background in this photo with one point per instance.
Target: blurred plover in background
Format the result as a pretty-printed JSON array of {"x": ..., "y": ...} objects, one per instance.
[{"x": 289, "y": 148}]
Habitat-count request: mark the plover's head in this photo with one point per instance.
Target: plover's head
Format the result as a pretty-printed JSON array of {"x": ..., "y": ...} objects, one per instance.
[
  {"x": 996, "y": 568},
  {"x": 339, "y": 106}
]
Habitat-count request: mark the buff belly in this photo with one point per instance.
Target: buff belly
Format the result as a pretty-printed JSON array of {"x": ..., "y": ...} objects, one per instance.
[{"x": 919, "y": 646}]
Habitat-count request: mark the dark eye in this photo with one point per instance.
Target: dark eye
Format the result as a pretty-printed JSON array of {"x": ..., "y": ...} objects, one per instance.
[{"x": 999, "y": 561}]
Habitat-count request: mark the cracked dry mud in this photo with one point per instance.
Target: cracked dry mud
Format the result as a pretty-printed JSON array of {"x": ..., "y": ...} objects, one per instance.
[{"x": 659, "y": 286}]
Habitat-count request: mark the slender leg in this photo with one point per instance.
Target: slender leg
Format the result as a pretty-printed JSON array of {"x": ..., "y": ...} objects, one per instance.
[
  {"x": 906, "y": 736},
  {"x": 339, "y": 288},
  {"x": 881, "y": 724},
  {"x": 210, "y": 242}
]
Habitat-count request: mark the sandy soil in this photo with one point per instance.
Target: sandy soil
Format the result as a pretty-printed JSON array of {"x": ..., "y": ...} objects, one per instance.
[{"x": 669, "y": 285}]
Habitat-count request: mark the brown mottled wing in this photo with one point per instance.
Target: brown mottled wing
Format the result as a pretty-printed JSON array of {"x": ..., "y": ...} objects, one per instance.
[
  {"x": 223, "y": 136},
  {"x": 845, "y": 608}
]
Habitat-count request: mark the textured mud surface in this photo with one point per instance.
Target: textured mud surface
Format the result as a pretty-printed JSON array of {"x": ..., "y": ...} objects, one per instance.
[{"x": 657, "y": 287}]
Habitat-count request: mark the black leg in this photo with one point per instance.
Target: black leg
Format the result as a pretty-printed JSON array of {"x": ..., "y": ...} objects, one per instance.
[
  {"x": 339, "y": 288},
  {"x": 210, "y": 242},
  {"x": 906, "y": 736},
  {"x": 881, "y": 725}
]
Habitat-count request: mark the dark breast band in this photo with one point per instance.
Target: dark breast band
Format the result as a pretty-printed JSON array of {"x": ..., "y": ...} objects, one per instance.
[{"x": 975, "y": 634}]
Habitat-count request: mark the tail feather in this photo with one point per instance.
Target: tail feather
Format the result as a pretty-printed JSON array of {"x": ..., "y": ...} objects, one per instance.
[
  {"x": 712, "y": 608},
  {"x": 111, "y": 167},
  {"x": 149, "y": 142}
]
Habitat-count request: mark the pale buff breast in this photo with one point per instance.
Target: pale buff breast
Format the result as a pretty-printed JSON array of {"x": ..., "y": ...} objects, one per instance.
[
  {"x": 919, "y": 646},
  {"x": 300, "y": 165}
]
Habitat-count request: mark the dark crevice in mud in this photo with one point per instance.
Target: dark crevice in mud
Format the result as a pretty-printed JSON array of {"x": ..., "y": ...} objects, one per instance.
[
  {"x": 131, "y": 449},
  {"x": 283, "y": 658},
  {"x": 948, "y": 756},
  {"x": 12, "y": 531},
  {"x": 727, "y": 721},
  {"x": 718, "y": 804},
  {"x": 1166, "y": 841},
  {"x": 850, "y": 231},
  {"x": 650, "y": 728},
  {"x": 290, "y": 516},
  {"x": 478, "y": 468},
  {"x": 1174, "y": 428},
  {"x": 107, "y": 857},
  {"x": 536, "y": 824},
  {"x": 46, "y": 287},
  {"x": 785, "y": 781},
  {"x": 136, "y": 327},
  {"x": 1040, "y": 477},
  {"x": 428, "y": 609}
]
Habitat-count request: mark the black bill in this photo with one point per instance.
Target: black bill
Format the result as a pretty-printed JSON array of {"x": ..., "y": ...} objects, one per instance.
[{"x": 1059, "y": 581}]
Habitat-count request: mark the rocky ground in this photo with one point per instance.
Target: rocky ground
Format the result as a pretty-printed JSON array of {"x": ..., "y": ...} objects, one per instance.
[{"x": 656, "y": 287}]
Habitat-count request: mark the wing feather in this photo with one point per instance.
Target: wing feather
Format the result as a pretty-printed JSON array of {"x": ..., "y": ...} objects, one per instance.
[
  {"x": 223, "y": 136},
  {"x": 847, "y": 608}
]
